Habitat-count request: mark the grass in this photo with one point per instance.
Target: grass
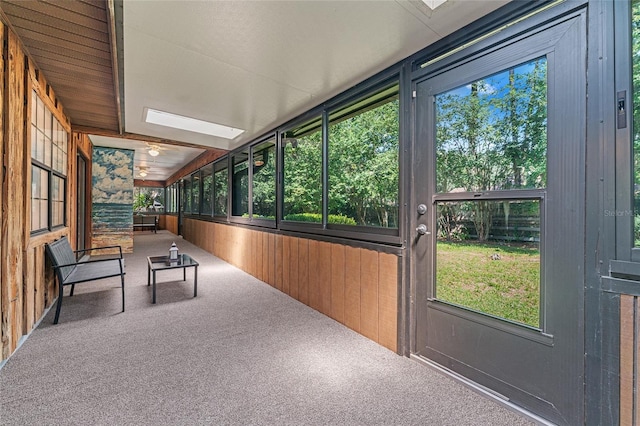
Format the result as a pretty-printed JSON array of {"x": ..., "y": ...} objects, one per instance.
[{"x": 509, "y": 288}]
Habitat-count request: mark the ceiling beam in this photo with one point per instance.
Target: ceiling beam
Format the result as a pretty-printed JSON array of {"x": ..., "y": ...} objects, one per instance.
[
  {"x": 115, "y": 55},
  {"x": 134, "y": 136}
]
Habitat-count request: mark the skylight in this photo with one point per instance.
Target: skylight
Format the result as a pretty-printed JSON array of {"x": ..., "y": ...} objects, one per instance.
[
  {"x": 181, "y": 122},
  {"x": 432, "y": 4}
]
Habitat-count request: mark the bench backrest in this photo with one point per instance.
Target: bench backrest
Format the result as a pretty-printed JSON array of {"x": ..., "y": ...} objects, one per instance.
[
  {"x": 146, "y": 220},
  {"x": 61, "y": 253}
]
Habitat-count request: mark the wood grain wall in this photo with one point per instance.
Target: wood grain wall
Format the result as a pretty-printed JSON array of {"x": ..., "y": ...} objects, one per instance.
[
  {"x": 27, "y": 287},
  {"x": 629, "y": 360},
  {"x": 354, "y": 286}
]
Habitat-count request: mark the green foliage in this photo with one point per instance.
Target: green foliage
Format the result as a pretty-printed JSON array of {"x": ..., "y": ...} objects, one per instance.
[
  {"x": 317, "y": 217},
  {"x": 507, "y": 287},
  {"x": 302, "y": 174},
  {"x": 491, "y": 135}
]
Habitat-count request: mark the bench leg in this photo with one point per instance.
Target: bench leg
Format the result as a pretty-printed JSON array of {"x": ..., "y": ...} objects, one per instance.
[
  {"x": 122, "y": 279},
  {"x": 59, "y": 304}
]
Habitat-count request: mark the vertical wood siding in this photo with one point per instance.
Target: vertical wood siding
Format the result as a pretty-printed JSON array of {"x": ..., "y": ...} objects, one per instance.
[
  {"x": 629, "y": 360},
  {"x": 354, "y": 286},
  {"x": 27, "y": 286}
]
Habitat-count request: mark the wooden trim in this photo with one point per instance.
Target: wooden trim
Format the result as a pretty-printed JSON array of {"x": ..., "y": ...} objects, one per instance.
[
  {"x": 627, "y": 322},
  {"x": 149, "y": 183},
  {"x": 111, "y": 24},
  {"x": 209, "y": 156}
]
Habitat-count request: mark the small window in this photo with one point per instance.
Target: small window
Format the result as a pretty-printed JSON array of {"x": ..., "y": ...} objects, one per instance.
[
  {"x": 302, "y": 166},
  {"x": 263, "y": 160},
  {"x": 220, "y": 188},
  {"x": 206, "y": 207},
  {"x": 48, "y": 168},
  {"x": 363, "y": 161},
  {"x": 195, "y": 193},
  {"x": 240, "y": 182}
]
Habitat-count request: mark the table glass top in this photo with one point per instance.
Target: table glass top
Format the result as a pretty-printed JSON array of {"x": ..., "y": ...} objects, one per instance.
[{"x": 163, "y": 262}]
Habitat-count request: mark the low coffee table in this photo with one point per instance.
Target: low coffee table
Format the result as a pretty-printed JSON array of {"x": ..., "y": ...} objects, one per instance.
[{"x": 161, "y": 263}]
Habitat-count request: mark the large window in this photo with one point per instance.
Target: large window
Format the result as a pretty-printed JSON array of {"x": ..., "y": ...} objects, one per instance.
[
  {"x": 148, "y": 199},
  {"x": 302, "y": 162},
  {"x": 363, "y": 161},
  {"x": 491, "y": 171},
  {"x": 186, "y": 195},
  {"x": 48, "y": 168}
]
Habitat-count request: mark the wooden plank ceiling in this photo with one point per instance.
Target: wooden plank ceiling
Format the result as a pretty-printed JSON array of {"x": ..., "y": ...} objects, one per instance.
[{"x": 70, "y": 41}]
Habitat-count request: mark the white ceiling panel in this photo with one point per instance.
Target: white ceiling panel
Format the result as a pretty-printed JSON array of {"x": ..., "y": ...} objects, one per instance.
[{"x": 256, "y": 64}]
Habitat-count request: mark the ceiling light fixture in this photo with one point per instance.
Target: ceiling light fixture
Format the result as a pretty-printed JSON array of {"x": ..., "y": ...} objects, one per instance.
[
  {"x": 154, "y": 151},
  {"x": 142, "y": 173},
  {"x": 181, "y": 122}
]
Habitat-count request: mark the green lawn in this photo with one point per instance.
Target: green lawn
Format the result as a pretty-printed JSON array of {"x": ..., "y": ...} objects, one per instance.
[{"x": 507, "y": 288}]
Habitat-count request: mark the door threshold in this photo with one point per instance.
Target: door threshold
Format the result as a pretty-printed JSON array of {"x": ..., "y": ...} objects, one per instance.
[{"x": 476, "y": 387}]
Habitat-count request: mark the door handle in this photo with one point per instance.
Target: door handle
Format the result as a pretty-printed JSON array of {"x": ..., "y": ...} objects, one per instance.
[{"x": 422, "y": 229}]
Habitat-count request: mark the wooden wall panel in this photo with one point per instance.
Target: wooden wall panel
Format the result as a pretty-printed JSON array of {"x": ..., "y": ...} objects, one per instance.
[
  {"x": 39, "y": 285},
  {"x": 337, "y": 282},
  {"x": 272, "y": 260},
  {"x": 29, "y": 291},
  {"x": 369, "y": 294},
  {"x": 324, "y": 277},
  {"x": 13, "y": 200},
  {"x": 352, "y": 288},
  {"x": 284, "y": 264},
  {"x": 303, "y": 270},
  {"x": 313, "y": 277},
  {"x": 4, "y": 349},
  {"x": 265, "y": 258},
  {"x": 259, "y": 256},
  {"x": 292, "y": 265},
  {"x": 171, "y": 224},
  {"x": 627, "y": 333},
  {"x": 388, "y": 301},
  {"x": 278, "y": 263}
]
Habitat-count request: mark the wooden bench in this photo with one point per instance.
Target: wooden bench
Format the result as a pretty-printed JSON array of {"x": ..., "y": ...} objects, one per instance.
[
  {"x": 142, "y": 222},
  {"x": 70, "y": 271}
]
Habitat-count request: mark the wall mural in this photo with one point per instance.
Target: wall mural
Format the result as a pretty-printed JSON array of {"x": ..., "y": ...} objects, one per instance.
[{"x": 112, "y": 198}]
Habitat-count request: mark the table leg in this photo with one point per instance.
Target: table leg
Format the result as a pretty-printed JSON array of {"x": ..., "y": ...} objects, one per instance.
[
  {"x": 184, "y": 274},
  {"x": 195, "y": 282},
  {"x": 148, "y": 275},
  {"x": 154, "y": 287}
]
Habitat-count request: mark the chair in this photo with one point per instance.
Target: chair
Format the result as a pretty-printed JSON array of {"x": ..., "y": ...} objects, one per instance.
[{"x": 70, "y": 271}]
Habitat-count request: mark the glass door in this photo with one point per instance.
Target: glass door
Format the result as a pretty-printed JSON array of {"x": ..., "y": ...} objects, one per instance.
[{"x": 498, "y": 252}]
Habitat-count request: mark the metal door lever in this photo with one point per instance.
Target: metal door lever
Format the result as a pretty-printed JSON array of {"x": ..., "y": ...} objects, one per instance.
[{"x": 422, "y": 229}]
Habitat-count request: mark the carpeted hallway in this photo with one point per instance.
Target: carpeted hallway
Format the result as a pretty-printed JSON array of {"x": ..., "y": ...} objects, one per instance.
[{"x": 240, "y": 353}]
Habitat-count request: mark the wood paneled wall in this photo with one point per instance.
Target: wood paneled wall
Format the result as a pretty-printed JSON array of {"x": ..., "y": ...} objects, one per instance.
[
  {"x": 629, "y": 360},
  {"x": 354, "y": 286},
  {"x": 27, "y": 287},
  {"x": 171, "y": 223}
]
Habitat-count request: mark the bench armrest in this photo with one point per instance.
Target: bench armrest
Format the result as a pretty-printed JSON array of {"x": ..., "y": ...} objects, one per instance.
[
  {"x": 100, "y": 248},
  {"x": 88, "y": 261}
]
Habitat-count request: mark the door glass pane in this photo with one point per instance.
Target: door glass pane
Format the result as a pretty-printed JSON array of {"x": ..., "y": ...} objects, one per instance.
[
  {"x": 302, "y": 149},
  {"x": 363, "y": 161},
  {"x": 488, "y": 257},
  {"x": 492, "y": 133},
  {"x": 264, "y": 180}
]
